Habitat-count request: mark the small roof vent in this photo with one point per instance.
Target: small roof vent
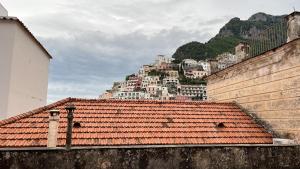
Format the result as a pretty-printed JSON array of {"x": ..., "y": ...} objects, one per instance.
[
  {"x": 220, "y": 125},
  {"x": 76, "y": 125}
]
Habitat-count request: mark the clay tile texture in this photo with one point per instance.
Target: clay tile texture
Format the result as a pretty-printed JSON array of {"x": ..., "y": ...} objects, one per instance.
[{"x": 137, "y": 122}]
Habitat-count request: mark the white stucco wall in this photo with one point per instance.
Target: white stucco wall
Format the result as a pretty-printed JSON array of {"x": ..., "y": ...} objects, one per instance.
[
  {"x": 28, "y": 72},
  {"x": 7, "y": 34},
  {"x": 3, "y": 11}
]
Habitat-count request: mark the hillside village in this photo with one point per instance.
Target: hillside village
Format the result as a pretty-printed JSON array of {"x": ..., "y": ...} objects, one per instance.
[
  {"x": 157, "y": 117},
  {"x": 169, "y": 79}
]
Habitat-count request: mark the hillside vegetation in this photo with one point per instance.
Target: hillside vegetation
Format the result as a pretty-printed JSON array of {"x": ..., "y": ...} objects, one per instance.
[{"x": 229, "y": 36}]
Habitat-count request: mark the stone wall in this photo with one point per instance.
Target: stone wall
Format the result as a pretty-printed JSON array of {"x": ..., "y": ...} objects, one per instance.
[
  {"x": 205, "y": 157},
  {"x": 267, "y": 85}
]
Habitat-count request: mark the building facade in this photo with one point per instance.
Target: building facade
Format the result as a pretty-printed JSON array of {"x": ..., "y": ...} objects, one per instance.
[
  {"x": 163, "y": 59},
  {"x": 170, "y": 80},
  {"x": 131, "y": 95},
  {"x": 195, "y": 74},
  {"x": 193, "y": 91},
  {"x": 23, "y": 69},
  {"x": 172, "y": 73},
  {"x": 205, "y": 65},
  {"x": 226, "y": 59}
]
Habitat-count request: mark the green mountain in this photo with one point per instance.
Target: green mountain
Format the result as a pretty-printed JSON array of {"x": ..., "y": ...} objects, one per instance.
[{"x": 235, "y": 31}]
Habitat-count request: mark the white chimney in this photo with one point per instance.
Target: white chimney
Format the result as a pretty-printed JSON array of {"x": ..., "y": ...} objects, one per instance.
[
  {"x": 3, "y": 11},
  {"x": 53, "y": 128}
]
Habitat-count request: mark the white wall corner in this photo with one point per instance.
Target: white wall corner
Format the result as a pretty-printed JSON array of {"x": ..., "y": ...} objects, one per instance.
[{"x": 3, "y": 11}]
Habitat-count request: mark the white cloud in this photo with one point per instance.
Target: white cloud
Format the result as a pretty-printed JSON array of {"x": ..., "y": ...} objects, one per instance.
[{"x": 94, "y": 43}]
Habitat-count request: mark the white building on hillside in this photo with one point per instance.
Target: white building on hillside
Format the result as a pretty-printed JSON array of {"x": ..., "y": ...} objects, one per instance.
[
  {"x": 165, "y": 94},
  {"x": 195, "y": 74},
  {"x": 205, "y": 65},
  {"x": 153, "y": 80},
  {"x": 189, "y": 63},
  {"x": 163, "y": 59},
  {"x": 153, "y": 89},
  {"x": 131, "y": 95},
  {"x": 226, "y": 59},
  {"x": 23, "y": 69},
  {"x": 193, "y": 91},
  {"x": 173, "y": 73},
  {"x": 170, "y": 80}
]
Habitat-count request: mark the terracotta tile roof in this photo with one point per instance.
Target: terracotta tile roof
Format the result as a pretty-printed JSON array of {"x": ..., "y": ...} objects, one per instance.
[{"x": 116, "y": 122}]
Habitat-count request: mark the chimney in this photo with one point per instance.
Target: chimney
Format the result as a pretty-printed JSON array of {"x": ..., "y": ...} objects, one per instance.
[
  {"x": 70, "y": 110},
  {"x": 53, "y": 128},
  {"x": 213, "y": 65},
  {"x": 3, "y": 11},
  {"x": 293, "y": 26}
]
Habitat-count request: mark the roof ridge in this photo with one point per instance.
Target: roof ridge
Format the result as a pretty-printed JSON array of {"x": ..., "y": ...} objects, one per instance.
[
  {"x": 69, "y": 99},
  {"x": 150, "y": 101},
  {"x": 13, "y": 18},
  {"x": 35, "y": 111}
]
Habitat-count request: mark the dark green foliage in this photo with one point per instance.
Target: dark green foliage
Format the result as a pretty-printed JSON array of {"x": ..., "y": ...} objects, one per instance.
[
  {"x": 176, "y": 61},
  {"x": 127, "y": 77},
  {"x": 188, "y": 81},
  {"x": 157, "y": 73},
  {"x": 229, "y": 36},
  {"x": 172, "y": 88},
  {"x": 192, "y": 50}
]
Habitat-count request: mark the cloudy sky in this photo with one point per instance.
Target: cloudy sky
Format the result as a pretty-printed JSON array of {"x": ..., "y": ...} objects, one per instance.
[{"x": 96, "y": 42}]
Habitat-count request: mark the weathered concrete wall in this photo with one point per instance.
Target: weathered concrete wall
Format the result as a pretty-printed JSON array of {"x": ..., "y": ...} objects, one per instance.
[
  {"x": 267, "y": 85},
  {"x": 211, "y": 157}
]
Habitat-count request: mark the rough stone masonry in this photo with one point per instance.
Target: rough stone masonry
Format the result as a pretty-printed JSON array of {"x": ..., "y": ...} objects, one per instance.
[{"x": 201, "y": 157}]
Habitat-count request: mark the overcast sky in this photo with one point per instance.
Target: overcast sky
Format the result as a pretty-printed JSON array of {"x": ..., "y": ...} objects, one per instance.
[{"x": 96, "y": 42}]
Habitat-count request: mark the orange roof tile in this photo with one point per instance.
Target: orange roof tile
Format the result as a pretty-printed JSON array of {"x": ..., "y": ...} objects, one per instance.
[{"x": 136, "y": 122}]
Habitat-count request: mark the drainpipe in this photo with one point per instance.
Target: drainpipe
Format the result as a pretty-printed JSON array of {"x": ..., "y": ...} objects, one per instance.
[
  {"x": 53, "y": 128},
  {"x": 70, "y": 110}
]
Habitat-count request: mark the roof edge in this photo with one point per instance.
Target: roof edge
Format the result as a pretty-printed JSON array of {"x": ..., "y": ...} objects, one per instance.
[
  {"x": 3, "y": 149},
  {"x": 32, "y": 112},
  {"x": 15, "y": 19},
  {"x": 267, "y": 127},
  {"x": 69, "y": 99}
]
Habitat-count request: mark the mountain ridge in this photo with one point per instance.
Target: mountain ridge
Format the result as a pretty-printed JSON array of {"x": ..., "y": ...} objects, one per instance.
[{"x": 233, "y": 32}]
